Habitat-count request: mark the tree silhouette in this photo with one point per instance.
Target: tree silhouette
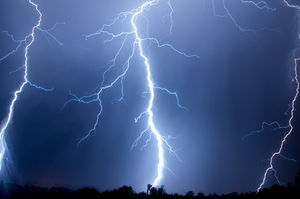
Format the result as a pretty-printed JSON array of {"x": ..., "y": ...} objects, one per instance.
[
  {"x": 149, "y": 186},
  {"x": 189, "y": 194},
  {"x": 12, "y": 191}
]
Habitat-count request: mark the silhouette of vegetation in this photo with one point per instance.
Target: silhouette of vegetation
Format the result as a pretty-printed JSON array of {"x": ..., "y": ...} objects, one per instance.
[{"x": 12, "y": 191}]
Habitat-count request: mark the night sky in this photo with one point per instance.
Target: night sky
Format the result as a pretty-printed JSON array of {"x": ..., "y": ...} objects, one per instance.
[{"x": 242, "y": 79}]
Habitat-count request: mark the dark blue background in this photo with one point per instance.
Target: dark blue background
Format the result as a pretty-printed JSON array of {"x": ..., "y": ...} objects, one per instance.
[{"x": 240, "y": 80}]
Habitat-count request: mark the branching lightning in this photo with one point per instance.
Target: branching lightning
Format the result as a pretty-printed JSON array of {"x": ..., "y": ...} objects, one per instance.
[
  {"x": 28, "y": 41},
  {"x": 260, "y": 4},
  {"x": 274, "y": 125},
  {"x": 134, "y": 37},
  {"x": 291, "y": 128},
  {"x": 136, "y": 46},
  {"x": 290, "y": 125}
]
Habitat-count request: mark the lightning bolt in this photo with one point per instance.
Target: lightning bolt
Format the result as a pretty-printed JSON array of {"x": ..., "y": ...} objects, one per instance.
[
  {"x": 136, "y": 45},
  {"x": 275, "y": 125},
  {"x": 291, "y": 127},
  {"x": 28, "y": 41}
]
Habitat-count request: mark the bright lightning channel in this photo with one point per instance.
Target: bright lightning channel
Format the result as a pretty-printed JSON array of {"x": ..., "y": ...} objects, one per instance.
[
  {"x": 276, "y": 126},
  {"x": 159, "y": 138},
  {"x": 291, "y": 127},
  {"x": 95, "y": 96},
  {"x": 28, "y": 41}
]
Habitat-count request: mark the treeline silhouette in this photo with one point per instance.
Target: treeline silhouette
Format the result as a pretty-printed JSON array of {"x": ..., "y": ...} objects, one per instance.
[{"x": 12, "y": 191}]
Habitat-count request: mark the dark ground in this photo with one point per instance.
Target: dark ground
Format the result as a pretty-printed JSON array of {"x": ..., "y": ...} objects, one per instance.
[{"x": 292, "y": 190}]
